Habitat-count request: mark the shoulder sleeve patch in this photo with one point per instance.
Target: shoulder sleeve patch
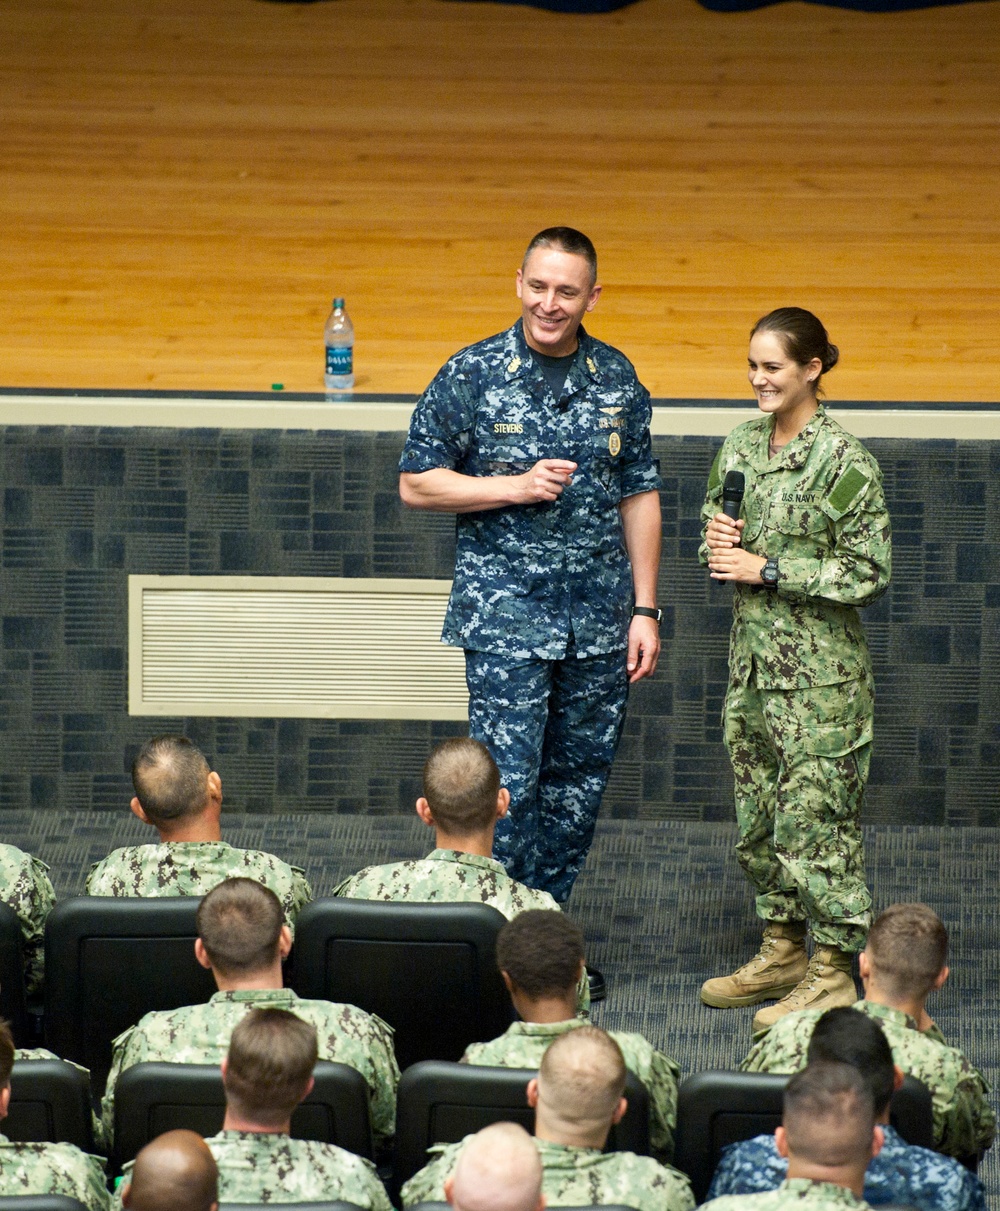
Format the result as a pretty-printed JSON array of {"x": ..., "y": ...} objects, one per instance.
[
  {"x": 715, "y": 476},
  {"x": 846, "y": 492}
]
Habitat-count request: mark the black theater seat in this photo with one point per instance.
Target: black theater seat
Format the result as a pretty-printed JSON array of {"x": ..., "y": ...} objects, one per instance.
[{"x": 429, "y": 970}]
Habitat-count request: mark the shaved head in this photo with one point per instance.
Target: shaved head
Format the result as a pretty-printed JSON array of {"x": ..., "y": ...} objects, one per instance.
[
  {"x": 499, "y": 1169},
  {"x": 829, "y": 1116},
  {"x": 175, "y": 1172},
  {"x": 581, "y": 1079}
]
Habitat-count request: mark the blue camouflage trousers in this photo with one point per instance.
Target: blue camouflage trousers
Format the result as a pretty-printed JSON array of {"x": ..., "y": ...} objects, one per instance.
[
  {"x": 553, "y": 728},
  {"x": 800, "y": 763}
]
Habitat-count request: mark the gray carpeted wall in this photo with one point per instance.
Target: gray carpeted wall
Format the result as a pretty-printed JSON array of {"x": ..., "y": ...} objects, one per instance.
[{"x": 84, "y": 507}]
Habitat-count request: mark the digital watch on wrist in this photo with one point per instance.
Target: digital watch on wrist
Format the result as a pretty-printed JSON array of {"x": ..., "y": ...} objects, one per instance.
[{"x": 769, "y": 574}]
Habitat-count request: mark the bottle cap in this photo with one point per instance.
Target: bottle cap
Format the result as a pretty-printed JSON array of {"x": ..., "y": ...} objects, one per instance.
[{"x": 338, "y": 303}]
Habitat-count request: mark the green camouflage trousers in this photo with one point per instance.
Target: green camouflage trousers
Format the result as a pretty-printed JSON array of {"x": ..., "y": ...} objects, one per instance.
[{"x": 800, "y": 762}]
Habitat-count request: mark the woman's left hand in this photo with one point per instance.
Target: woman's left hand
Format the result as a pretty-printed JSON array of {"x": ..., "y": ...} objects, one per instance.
[{"x": 733, "y": 563}]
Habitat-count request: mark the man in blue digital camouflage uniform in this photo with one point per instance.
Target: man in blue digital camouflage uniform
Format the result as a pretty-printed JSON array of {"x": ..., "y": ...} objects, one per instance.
[{"x": 538, "y": 438}]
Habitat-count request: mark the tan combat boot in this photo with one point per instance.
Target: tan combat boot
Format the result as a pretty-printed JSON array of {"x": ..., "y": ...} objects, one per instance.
[
  {"x": 827, "y": 984},
  {"x": 775, "y": 969}
]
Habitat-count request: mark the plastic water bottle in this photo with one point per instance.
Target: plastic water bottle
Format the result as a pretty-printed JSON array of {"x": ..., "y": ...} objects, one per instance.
[{"x": 338, "y": 336}]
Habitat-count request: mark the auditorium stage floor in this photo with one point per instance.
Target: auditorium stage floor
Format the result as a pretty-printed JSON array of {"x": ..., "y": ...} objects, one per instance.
[
  {"x": 184, "y": 186},
  {"x": 663, "y": 905}
]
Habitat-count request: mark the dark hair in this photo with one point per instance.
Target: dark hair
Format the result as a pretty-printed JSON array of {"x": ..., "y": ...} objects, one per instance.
[
  {"x": 847, "y": 1036},
  {"x": 802, "y": 335},
  {"x": 169, "y": 775},
  {"x": 239, "y": 923},
  {"x": 461, "y": 785},
  {"x": 6, "y": 1053},
  {"x": 908, "y": 947},
  {"x": 271, "y": 1057},
  {"x": 828, "y": 1115},
  {"x": 565, "y": 239},
  {"x": 541, "y": 950}
]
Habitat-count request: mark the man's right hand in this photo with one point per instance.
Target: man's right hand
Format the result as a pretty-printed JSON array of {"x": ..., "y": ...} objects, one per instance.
[{"x": 545, "y": 481}]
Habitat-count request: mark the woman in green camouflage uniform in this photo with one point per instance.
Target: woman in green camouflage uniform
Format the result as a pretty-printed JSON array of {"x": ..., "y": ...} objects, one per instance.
[{"x": 811, "y": 545}]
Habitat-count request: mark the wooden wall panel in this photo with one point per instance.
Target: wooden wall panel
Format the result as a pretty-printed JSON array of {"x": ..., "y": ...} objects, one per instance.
[{"x": 184, "y": 186}]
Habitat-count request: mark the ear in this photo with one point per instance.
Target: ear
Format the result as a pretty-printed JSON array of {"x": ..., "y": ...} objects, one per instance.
[
  {"x": 308, "y": 1089},
  {"x": 201, "y": 954},
  {"x": 781, "y": 1141},
  {"x": 813, "y": 370},
  {"x": 897, "y": 1077},
  {"x": 508, "y": 983},
  {"x": 878, "y": 1139},
  {"x": 595, "y": 294},
  {"x": 224, "y": 1067},
  {"x": 541, "y": 1203},
  {"x": 284, "y": 942},
  {"x": 424, "y": 812},
  {"x": 136, "y": 807},
  {"x": 580, "y": 970},
  {"x": 620, "y": 1109},
  {"x": 5, "y": 1100},
  {"x": 532, "y": 1092},
  {"x": 864, "y": 965},
  {"x": 518, "y": 280},
  {"x": 449, "y": 1185},
  {"x": 503, "y": 802},
  {"x": 126, "y": 1194},
  {"x": 939, "y": 979},
  {"x": 215, "y": 786}
]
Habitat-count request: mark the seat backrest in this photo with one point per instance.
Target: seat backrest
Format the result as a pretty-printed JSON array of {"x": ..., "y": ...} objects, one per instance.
[
  {"x": 12, "y": 1000},
  {"x": 49, "y": 1103},
  {"x": 107, "y": 962},
  {"x": 911, "y": 1112},
  {"x": 440, "y": 1103},
  {"x": 429, "y": 970},
  {"x": 717, "y": 1108},
  {"x": 41, "y": 1202},
  {"x": 153, "y": 1098}
]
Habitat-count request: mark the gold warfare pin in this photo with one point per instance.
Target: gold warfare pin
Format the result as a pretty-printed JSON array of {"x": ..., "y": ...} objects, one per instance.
[
  {"x": 514, "y": 365},
  {"x": 614, "y": 443}
]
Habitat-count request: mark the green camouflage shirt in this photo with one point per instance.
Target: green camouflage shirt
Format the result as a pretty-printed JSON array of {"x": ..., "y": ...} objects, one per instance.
[
  {"x": 523, "y": 1044},
  {"x": 52, "y": 1169},
  {"x": 817, "y": 507},
  {"x": 192, "y": 868},
  {"x": 964, "y": 1122},
  {"x": 573, "y": 1177},
  {"x": 199, "y": 1034},
  {"x": 25, "y": 886},
  {"x": 447, "y": 875},
  {"x": 274, "y": 1168},
  {"x": 794, "y": 1194}
]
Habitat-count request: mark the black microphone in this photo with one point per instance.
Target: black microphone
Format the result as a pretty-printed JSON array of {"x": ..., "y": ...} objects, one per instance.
[{"x": 732, "y": 493}]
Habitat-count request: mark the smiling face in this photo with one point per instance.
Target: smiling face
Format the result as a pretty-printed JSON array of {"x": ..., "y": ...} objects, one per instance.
[
  {"x": 784, "y": 389},
  {"x": 556, "y": 292}
]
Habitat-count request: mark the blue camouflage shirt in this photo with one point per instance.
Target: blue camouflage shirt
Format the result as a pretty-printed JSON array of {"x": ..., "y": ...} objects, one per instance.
[
  {"x": 528, "y": 577},
  {"x": 901, "y": 1174}
]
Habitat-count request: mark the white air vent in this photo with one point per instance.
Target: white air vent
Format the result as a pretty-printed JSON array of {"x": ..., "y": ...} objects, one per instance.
[{"x": 303, "y": 647}]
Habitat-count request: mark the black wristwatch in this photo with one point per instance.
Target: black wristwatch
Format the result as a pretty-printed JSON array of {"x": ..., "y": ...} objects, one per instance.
[
  {"x": 648, "y": 612},
  {"x": 769, "y": 574}
]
